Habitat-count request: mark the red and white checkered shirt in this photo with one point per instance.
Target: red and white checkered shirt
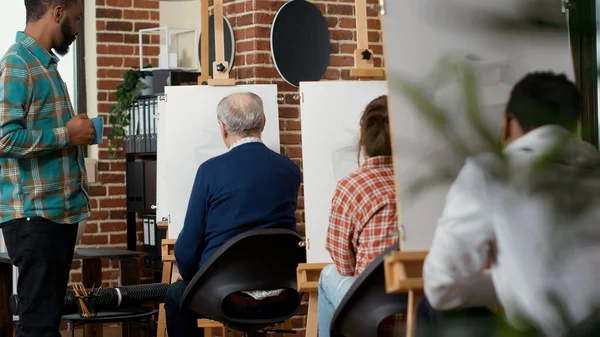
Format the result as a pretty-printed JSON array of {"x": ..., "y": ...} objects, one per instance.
[{"x": 363, "y": 222}]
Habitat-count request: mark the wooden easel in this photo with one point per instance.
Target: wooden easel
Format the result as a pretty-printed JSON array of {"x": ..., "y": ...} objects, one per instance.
[
  {"x": 308, "y": 282},
  {"x": 204, "y": 74},
  {"x": 364, "y": 66},
  {"x": 170, "y": 274},
  {"x": 221, "y": 68},
  {"x": 404, "y": 274}
]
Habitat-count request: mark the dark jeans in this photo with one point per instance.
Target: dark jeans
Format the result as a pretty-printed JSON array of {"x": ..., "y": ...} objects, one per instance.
[
  {"x": 185, "y": 323},
  {"x": 466, "y": 322},
  {"x": 43, "y": 252}
]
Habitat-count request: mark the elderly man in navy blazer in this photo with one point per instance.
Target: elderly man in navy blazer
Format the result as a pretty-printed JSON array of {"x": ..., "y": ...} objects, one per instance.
[{"x": 249, "y": 187}]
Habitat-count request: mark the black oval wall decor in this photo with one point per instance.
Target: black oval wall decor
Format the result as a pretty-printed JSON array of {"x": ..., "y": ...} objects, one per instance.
[{"x": 300, "y": 43}]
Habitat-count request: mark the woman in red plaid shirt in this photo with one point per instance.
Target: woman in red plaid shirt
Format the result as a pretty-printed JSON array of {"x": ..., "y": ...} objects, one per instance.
[{"x": 362, "y": 221}]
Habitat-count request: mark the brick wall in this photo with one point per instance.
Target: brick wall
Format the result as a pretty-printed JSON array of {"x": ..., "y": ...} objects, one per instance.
[
  {"x": 117, "y": 24},
  {"x": 252, "y": 20}
]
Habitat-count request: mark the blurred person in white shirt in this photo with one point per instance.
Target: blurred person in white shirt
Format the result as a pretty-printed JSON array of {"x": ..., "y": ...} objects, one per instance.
[{"x": 516, "y": 234}]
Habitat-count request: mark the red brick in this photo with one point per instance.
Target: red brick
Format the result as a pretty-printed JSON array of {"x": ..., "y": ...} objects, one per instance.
[
  {"x": 154, "y": 16},
  {"x": 117, "y": 190},
  {"x": 332, "y": 74},
  {"x": 244, "y": 20},
  {"x": 118, "y": 214},
  {"x": 289, "y": 112},
  {"x": 234, "y": 8},
  {"x": 113, "y": 73},
  {"x": 77, "y": 277},
  {"x": 244, "y": 46},
  {"x": 100, "y": 26},
  {"x": 262, "y": 45},
  {"x": 110, "y": 274},
  {"x": 118, "y": 238},
  {"x": 100, "y": 2},
  {"x": 108, "y": 178},
  {"x": 97, "y": 191},
  {"x": 136, "y": 15},
  {"x": 119, "y": 26},
  {"x": 335, "y": 48},
  {"x": 135, "y": 38},
  {"x": 284, "y": 86},
  {"x": 94, "y": 240},
  {"x": 258, "y": 58},
  {"x": 145, "y": 25},
  {"x": 110, "y": 13},
  {"x": 239, "y": 34},
  {"x": 292, "y": 125},
  {"x": 118, "y": 166},
  {"x": 374, "y": 37},
  {"x": 348, "y": 23},
  {"x": 264, "y": 18},
  {"x": 289, "y": 138},
  {"x": 151, "y": 4},
  {"x": 332, "y": 22},
  {"x": 321, "y": 7},
  {"x": 104, "y": 107},
  {"x": 148, "y": 50},
  {"x": 246, "y": 72},
  {"x": 130, "y": 62},
  {"x": 112, "y": 203},
  {"x": 119, "y": 3},
  {"x": 110, "y": 61},
  {"x": 341, "y": 35},
  {"x": 99, "y": 215},
  {"x": 258, "y": 32},
  {"x": 113, "y": 227},
  {"x": 109, "y": 37},
  {"x": 294, "y": 151},
  {"x": 76, "y": 264},
  {"x": 91, "y": 228},
  {"x": 341, "y": 61},
  {"x": 108, "y": 84},
  {"x": 374, "y": 24},
  {"x": 340, "y": 9}
]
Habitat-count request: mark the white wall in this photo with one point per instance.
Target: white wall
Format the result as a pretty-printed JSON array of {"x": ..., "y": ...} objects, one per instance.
[
  {"x": 12, "y": 20},
  {"x": 91, "y": 73}
]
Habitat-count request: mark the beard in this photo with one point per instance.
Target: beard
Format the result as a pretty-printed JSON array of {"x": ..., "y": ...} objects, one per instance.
[{"x": 67, "y": 38}]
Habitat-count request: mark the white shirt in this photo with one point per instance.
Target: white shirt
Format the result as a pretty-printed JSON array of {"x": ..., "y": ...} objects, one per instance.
[{"x": 538, "y": 257}]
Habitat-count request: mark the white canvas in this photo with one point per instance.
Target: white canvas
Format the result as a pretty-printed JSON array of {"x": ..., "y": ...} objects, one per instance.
[
  {"x": 330, "y": 114},
  {"x": 418, "y": 34},
  {"x": 189, "y": 134}
]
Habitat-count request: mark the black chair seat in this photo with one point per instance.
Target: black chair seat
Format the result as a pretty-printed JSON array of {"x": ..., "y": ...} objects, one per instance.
[
  {"x": 263, "y": 259},
  {"x": 367, "y": 304}
]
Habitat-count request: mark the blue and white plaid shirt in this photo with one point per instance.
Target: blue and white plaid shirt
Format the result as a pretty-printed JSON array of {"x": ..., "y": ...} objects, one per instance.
[{"x": 40, "y": 173}]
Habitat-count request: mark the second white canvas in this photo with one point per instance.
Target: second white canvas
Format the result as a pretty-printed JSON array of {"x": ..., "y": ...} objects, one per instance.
[{"x": 330, "y": 132}]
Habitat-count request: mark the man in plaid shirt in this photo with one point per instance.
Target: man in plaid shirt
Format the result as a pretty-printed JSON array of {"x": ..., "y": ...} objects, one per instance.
[
  {"x": 43, "y": 186},
  {"x": 363, "y": 221}
]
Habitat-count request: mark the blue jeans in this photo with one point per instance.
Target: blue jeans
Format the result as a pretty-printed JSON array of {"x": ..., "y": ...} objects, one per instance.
[{"x": 332, "y": 289}]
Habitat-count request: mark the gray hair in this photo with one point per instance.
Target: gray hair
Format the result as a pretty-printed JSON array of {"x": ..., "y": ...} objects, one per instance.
[{"x": 242, "y": 113}]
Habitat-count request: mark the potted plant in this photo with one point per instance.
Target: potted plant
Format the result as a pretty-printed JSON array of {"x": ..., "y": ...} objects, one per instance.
[{"x": 127, "y": 92}]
